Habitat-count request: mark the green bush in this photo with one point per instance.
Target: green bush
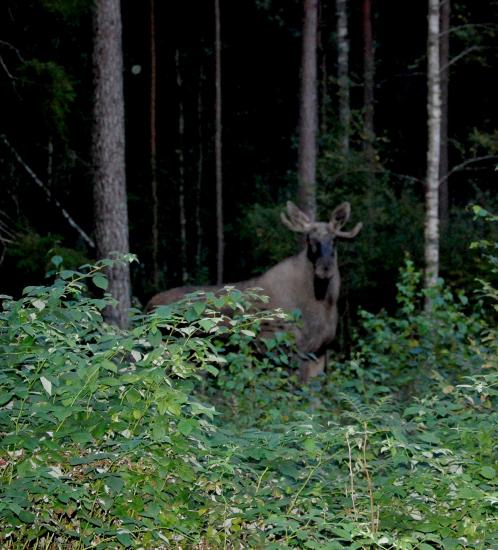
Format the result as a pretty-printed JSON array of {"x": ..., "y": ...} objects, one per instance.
[{"x": 111, "y": 438}]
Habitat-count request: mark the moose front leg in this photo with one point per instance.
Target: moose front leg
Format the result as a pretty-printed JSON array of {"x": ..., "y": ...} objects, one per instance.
[{"x": 309, "y": 368}]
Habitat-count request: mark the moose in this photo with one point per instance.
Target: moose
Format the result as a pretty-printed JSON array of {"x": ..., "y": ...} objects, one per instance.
[{"x": 308, "y": 282}]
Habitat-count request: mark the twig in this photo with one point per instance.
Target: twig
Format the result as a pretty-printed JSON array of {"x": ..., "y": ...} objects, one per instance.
[
  {"x": 351, "y": 477},
  {"x": 462, "y": 54},
  {"x": 9, "y": 45},
  {"x": 373, "y": 520},
  {"x": 456, "y": 28},
  {"x": 465, "y": 163},
  {"x": 48, "y": 193},
  {"x": 5, "y": 68}
]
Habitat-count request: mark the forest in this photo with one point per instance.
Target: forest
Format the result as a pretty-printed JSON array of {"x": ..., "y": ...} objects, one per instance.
[{"x": 316, "y": 181}]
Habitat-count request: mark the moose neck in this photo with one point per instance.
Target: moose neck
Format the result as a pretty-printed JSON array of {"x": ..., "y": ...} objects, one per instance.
[{"x": 320, "y": 287}]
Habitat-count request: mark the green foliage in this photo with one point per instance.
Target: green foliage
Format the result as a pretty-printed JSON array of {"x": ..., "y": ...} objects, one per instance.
[
  {"x": 32, "y": 254},
  {"x": 187, "y": 432},
  {"x": 70, "y": 10},
  {"x": 408, "y": 346},
  {"x": 268, "y": 241},
  {"x": 48, "y": 82}
]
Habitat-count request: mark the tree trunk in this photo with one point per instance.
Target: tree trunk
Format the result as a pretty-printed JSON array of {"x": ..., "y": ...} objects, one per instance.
[
  {"x": 433, "y": 152},
  {"x": 181, "y": 172},
  {"x": 324, "y": 95},
  {"x": 444, "y": 56},
  {"x": 343, "y": 74},
  {"x": 200, "y": 170},
  {"x": 153, "y": 147},
  {"x": 368, "y": 82},
  {"x": 218, "y": 149},
  {"x": 308, "y": 116},
  {"x": 108, "y": 153}
]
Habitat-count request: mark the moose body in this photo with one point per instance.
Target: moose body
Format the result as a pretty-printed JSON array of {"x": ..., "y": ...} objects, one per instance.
[{"x": 308, "y": 282}]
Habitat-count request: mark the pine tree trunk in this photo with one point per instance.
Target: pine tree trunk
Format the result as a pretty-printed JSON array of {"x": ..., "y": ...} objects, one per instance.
[
  {"x": 444, "y": 56},
  {"x": 433, "y": 152},
  {"x": 343, "y": 74},
  {"x": 108, "y": 153},
  {"x": 200, "y": 170},
  {"x": 153, "y": 147},
  {"x": 181, "y": 172},
  {"x": 218, "y": 150},
  {"x": 308, "y": 117},
  {"x": 324, "y": 94},
  {"x": 368, "y": 82}
]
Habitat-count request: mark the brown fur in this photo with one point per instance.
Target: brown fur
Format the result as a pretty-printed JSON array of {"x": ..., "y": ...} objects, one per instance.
[{"x": 291, "y": 284}]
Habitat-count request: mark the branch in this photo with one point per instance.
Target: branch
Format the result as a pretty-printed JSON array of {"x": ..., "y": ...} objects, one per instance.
[
  {"x": 4, "y": 66},
  {"x": 456, "y": 28},
  {"x": 9, "y": 45},
  {"x": 463, "y": 53},
  {"x": 465, "y": 163},
  {"x": 48, "y": 193}
]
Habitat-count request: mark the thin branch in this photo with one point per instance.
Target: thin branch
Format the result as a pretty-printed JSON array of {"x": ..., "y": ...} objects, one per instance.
[
  {"x": 9, "y": 45},
  {"x": 462, "y": 54},
  {"x": 4, "y": 66},
  {"x": 48, "y": 193},
  {"x": 489, "y": 26},
  {"x": 465, "y": 163}
]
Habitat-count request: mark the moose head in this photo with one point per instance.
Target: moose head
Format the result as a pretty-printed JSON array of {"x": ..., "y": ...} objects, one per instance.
[{"x": 321, "y": 236}]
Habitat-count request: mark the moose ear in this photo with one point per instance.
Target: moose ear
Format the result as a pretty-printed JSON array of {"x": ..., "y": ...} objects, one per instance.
[
  {"x": 297, "y": 220},
  {"x": 340, "y": 216}
]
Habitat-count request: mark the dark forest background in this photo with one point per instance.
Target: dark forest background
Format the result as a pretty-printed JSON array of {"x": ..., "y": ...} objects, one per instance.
[{"x": 45, "y": 123}]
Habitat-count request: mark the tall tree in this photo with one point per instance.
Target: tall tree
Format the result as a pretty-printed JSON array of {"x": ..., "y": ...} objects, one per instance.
[
  {"x": 368, "y": 81},
  {"x": 153, "y": 144},
  {"x": 308, "y": 116},
  {"x": 200, "y": 171},
  {"x": 343, "y": 74},
  {"x": 433, "y": 150},
  {"x": 108, "y": 153},
  {"x": 218, "y": 149},
  {"x": 181, "y": 170},
  {"x": 444, "y": 59}
]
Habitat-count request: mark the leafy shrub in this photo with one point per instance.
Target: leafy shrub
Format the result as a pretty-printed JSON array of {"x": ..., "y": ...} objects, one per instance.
[{"x": 111, "y": 438}]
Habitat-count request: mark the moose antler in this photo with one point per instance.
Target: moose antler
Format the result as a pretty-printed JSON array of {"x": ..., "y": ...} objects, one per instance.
[
  {"x": 349, "y": 234},
  {"x": 297, "y": 221}
]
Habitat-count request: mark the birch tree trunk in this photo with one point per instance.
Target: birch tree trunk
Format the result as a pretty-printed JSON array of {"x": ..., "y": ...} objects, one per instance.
[
  {"x": 153, "y": 146},
  {"x": 108, "y": 153},
  {"x": 433, "y": 151},
  {"x": 181, "y": 172},
  {"x": 444, "y": 57},
  {"x": 308, "y": 115},
  {"x": 368, "y": 81},
  {"x": 218, "y": 150},
  {"x": 343, "y": 74}
]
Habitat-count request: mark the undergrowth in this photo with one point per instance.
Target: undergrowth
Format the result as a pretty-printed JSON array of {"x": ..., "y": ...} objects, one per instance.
[{"x": 186, "y": 432}]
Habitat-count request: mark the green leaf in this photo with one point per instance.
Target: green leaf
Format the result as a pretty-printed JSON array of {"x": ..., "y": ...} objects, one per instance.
[
  {"x": 207, "y": 324},
  {"x": 488, "y": 472},
  {"x": 47, "y": 385},
  {"x": 426, "y": 527},
  {"x": 56, "y": 260},
  {"x": 185, "y": 426},
  {"x": 155, "y": 338},
  {"x": 100, "y": 281},
  {"x": 5, "y": 397},
  {"x": 109, "y": 365},
  {"x": 125, "y": 539},
  {"x": 430, "y": 437}
]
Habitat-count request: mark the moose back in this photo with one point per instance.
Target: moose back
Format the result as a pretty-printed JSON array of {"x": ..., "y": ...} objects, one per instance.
[{"x": 309, "y": 282}]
